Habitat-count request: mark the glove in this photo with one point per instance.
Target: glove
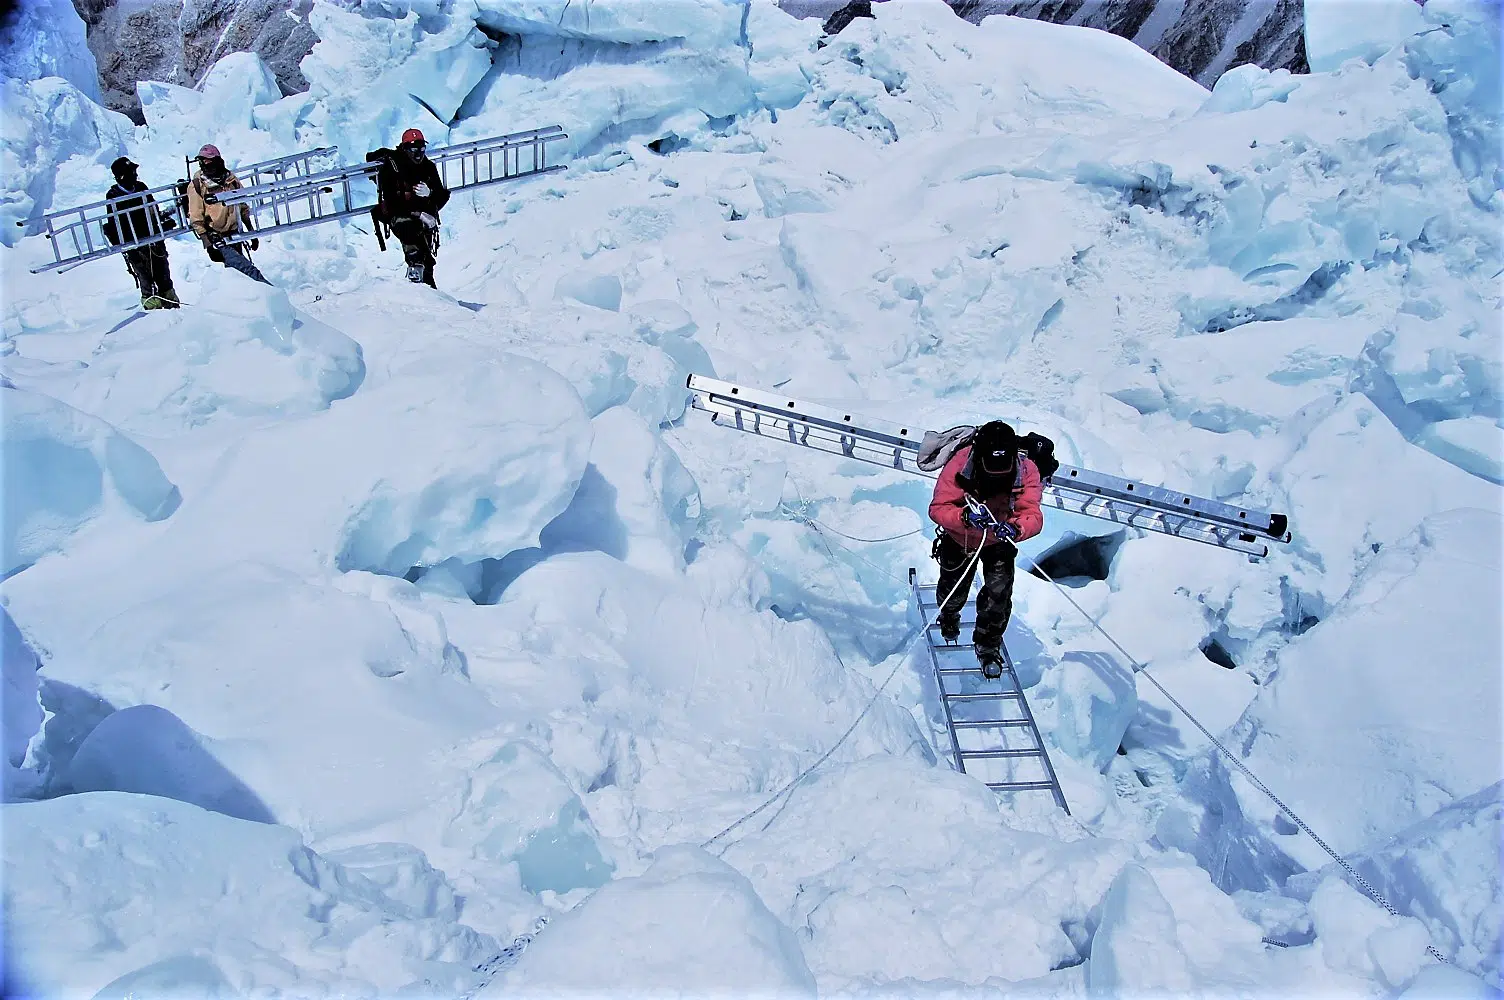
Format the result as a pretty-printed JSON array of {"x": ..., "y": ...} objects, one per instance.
[
  {"x": 211, "y": 249},
  {"x": 1008, "y": 531},
  {"x": 430, "y": 221},
  {"x": 169, "y": 223},
  {"x": 421, "y": 190},
  {"x": 977, "y": 518},
  {"x": 255, "y": 244}
]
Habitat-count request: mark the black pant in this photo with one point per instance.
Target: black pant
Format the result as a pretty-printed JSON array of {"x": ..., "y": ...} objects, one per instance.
[
  {"x": 994, "y": 603},
  {"x": 417, "y": 244},
  {"x": 148, "y": 265}
]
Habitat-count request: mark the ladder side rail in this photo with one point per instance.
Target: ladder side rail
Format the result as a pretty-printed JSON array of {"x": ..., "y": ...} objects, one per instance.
[
  {"x": 546, "y": 133},
  {"x": 292, "y": 187},
  {"x": 890, "y": 434},
  {"x": 104, "y": 206},
  {"x": 1100, "y": 484},
  {"x": 1044, "y": 753},
  {"x": 293, "y": 226},
  {"x": 950, "y": 723},
  {"x": 854, "y": 445}
]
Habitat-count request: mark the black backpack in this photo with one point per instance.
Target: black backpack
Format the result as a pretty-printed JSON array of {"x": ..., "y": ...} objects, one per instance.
[{"x": 1041, "y": 451}]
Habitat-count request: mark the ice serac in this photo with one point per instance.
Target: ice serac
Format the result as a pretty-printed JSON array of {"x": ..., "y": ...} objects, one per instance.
[
  {"x": 1443, "y": 871},
  {"x": 1199, "y": 38},
  {"x": 134, "y": 894},
  {"x": 47, "y": 38},
  {"x": 22, "y": 712},
  {"x": 53, "y": 150},
  {"x": 1339, "y": 30},
  {"x": 63, "y": 469},
  {"x": 1409, "y": 652},
  {"x": 690, "y": 925}
]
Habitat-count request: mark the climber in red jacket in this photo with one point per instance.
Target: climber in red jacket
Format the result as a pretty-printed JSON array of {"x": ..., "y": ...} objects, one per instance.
[{"x": 994, "y": 474}]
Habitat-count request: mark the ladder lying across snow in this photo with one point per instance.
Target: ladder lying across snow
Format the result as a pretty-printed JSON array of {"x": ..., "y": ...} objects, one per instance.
[
  {"x": 77, "y": 237},
  {"x": 989, "y": 720},
  {"x": 1080, "y": 491},
  {"x": 294, "y": 203}
]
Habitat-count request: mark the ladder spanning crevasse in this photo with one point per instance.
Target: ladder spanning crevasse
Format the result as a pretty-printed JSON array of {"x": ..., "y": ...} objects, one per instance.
[
  {"x": 991, "y": 727},
  {"x": 1080, "y": 491},
  {"x": 286, "y": 194}
]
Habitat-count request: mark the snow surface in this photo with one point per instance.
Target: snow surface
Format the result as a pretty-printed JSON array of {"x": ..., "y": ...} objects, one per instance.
[{"x": 377, "y": 622}]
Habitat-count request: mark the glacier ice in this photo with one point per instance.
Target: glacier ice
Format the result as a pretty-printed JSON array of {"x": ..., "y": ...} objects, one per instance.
[
  {"x": 106, "y": 885},
  {"x": 1279, "y": 294},
  {"x": 689, "y": 924},
  {"x": 65, "y": 468},
  {"x": 47, "y": 38},
  {"x": 22, "y": 710},
  {"x": 1338, "y": 30}
]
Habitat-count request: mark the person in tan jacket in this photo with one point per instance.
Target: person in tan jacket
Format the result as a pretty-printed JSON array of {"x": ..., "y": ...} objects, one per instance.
[{"x": 211, "y": 221}]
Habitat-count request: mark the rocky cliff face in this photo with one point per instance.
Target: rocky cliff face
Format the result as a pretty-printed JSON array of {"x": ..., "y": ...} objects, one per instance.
[
  {"x": 1201, "y": 38},
  {"x": 176, "y": 41}
]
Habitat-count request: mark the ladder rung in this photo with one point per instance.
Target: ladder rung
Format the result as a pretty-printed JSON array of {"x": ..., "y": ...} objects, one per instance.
[
  {"x": 952, "y": 645},
  {"x": 983, "y": 695},
  {"x": 1021, "y": 786},
  {"x": 986, "y": 724},
  {"x": 992, "y": 754}
]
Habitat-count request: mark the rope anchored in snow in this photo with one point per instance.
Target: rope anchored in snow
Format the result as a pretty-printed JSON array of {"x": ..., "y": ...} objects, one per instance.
[
  {"x": 505, "y": 959},
  {"x": 1140, "y": 668}
]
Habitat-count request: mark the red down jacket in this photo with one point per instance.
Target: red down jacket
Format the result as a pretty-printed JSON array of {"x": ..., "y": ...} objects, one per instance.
[{"x": 1021, "y": 509}]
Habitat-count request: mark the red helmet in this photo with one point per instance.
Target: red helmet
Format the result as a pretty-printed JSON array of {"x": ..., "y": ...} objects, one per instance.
[
  {"x": 208, "y": 152},
  {"x": 413, "y": 135}
]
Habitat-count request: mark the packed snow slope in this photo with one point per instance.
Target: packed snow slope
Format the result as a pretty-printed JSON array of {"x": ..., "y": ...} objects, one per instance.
[{"x": 351, "y": 627}]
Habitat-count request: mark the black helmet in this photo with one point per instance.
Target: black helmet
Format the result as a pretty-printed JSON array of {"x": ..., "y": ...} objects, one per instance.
[
  {"x": 123, "y": 168},
  {"x": 996, "y": 448}
]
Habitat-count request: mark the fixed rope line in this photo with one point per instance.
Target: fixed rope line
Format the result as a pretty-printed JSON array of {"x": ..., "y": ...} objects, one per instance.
[
  {"x": 1140, "y": 668},
  {"x": 823, "y": 758}
]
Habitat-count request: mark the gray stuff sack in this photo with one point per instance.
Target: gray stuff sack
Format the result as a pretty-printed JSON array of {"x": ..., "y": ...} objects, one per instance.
[{"x": 938, "y": 447}]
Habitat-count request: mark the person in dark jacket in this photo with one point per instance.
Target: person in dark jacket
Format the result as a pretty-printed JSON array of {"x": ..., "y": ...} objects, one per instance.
[
  {"x": 136, "y": 219},
  {"x": 991, "y": 472},
  {"x": 410, "y": 193}
]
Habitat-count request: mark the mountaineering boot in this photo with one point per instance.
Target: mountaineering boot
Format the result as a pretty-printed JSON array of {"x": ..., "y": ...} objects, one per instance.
[
  {"x": 950, "y": 628},
  {"x": 415, "y": 273},
  {"x": 992, "y": 663},
  {"x": 153, "y": 302}
]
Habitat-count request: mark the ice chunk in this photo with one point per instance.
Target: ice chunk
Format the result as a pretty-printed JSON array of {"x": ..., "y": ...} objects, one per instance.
[
  {"x": 234, "y": 87},
  {"x": 1086, "y": 703},
  {"x": 1356, "y": 935},
  {"x": 1338, "y": 30},
  {"x": 178, "y": 975},
  {"x": 1446, "y": 982},
  {"x": 1444, "y": 871},
  {"x": 64, "y": 468},
  {"x": 634, "y": 500},
  {"x": 690, "y": 924},
  {"x": 22, "y": 711},
  {"x": 49, "y": 124},
  {"x": 702, "y": 24},
  {"x": 120, "y": 892},
  {"x": 47, "y": 38},
  {"x": 1136, "y": 948},
  {"x": 1475, "y": 444},
  {"x": 149, "y": 750},
  {"x": 404, "y": 874},
  {"x": 244, "y": 353},
  {"x": 518, "y": 807},
  {"x": 1412, "y": 748},
  {"x": 600, "y": 290},
  {"x": 1244, "y": 88}
]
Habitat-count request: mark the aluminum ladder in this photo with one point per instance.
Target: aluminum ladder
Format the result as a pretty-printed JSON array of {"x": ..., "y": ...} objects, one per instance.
[
  {"x": 77, "y": 236},
  {"x": 288, "y": 204},
  {"x": 989, "y": 721},
  {"x": 895, "y": 446}
]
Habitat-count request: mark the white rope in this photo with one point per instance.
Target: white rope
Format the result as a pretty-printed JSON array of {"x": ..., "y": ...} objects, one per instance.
[
  {"x": 1141, "y": 668},
  {"x": 823, "y": 758}
]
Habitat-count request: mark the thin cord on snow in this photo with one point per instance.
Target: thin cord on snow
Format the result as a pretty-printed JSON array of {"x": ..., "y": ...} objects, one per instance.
[
  {"x": 1140, "y": 668},
  {"x": 506, "y": 958},
  {"x": 823, "y": 758}
]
